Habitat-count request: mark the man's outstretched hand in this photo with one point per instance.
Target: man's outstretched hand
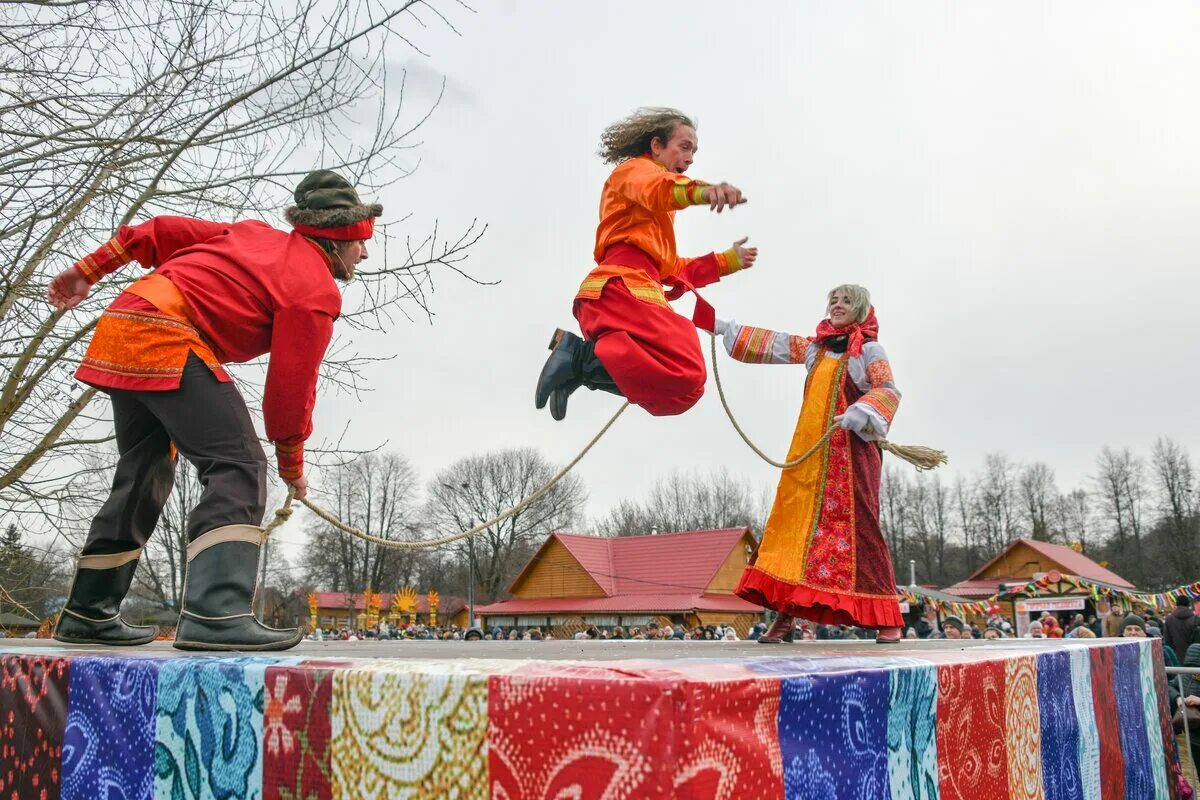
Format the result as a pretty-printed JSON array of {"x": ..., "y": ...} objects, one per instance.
[
  {"x": 719, "y": 195},
  {"x": 68, "y": 289},
  {"x": 746, "y": 255}
]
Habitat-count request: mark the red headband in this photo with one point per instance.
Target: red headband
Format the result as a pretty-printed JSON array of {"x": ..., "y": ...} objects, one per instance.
[{"x": 363, "y": 229}]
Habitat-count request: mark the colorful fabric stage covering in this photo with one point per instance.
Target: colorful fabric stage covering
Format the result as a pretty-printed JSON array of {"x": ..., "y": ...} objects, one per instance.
[{"x": 1070, "y": 720}]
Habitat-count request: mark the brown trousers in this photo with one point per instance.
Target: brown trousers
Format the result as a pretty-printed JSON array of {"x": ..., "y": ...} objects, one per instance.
[{"x": 209, "y": 424}]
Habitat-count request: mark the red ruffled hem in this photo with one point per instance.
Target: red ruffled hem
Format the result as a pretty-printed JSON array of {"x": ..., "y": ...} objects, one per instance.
[{"x": 825, "y": 608}]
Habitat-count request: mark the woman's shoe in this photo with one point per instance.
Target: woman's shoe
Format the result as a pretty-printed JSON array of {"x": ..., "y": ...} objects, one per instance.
[
  {"x": 783, "y": 629},
  {"x": 889, "y": 636}
]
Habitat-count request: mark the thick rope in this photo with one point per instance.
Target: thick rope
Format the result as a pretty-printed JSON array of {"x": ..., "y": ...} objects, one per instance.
[
  {"x": 285, "y": 512},
  {"x": 923, "y": 458},
  {"x": 824, "y": 440}
]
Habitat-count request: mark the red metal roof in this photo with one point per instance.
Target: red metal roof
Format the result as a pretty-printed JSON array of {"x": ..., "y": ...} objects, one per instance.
[
  {"x": 641, "y": 603},
  {"x": 1072, "y": 563},
  {"x": 974, "y": 589},
  {"x": 675, "y": 563},
  {"x": 447, "y": 604}
]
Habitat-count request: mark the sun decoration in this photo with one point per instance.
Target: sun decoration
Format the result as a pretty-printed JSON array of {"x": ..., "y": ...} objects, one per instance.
[{"x": 405, "y": 602}]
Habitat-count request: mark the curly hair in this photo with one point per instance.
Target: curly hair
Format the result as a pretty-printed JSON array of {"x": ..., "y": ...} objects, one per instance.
[{"x": 631, "y": 136}]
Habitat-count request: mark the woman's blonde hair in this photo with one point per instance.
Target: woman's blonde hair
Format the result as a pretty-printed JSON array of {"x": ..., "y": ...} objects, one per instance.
[
  {"x": 631, "y": 136},
  {"x": 860, "y": 299}
]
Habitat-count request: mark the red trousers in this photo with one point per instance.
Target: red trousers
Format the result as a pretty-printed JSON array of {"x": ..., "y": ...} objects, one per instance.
[{"x": 650, "y": 351}]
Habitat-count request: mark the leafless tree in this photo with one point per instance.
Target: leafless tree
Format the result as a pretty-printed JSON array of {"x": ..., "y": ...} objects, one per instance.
[
  {"x": 479, "y": 488},
  {"x": 1077, "y": 515},
  {"x": 379, "y": 494},
  {"x": 114, "y": 110},
  {"x": 1175, "y": 477},
  {"x": 684, "y": 501},
  {"x": 1120, "y": 490},
  {"x": 895, "y": 512},
  {"x": 932, "y": 512},
  {"x": 1039, "y": 498}
]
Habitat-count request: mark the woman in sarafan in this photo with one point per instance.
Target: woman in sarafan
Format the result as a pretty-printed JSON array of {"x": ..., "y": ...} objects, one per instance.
[{"x": 823, "y": 556}]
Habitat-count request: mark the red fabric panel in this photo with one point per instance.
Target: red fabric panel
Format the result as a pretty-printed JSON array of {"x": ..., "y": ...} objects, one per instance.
[
  {"x": 582, "y": 732},
  {"x": 33, "y": 716},
  {"x": 650, "y": 351},
  {"x": 731, "y": 749},
  {"x": 1104, "y": 703},
  {"x": 971, "y": 749},
  {"x": 296, "y": 731}
]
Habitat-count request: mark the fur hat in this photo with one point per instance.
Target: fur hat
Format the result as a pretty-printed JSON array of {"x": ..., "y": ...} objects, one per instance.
[{"x": 327, "y": 205}]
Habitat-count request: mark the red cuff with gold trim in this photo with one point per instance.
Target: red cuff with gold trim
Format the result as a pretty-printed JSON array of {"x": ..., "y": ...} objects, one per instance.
[
  {"x": 108, "y": 259},
  {"x": 290, "y": 458}
]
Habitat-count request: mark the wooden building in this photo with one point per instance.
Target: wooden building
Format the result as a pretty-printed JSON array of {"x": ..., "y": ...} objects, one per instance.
[
  {"x": 1025, "y": 560},
  {"x": 349, "y": 610},
  {"x": 685, "y": 578}
]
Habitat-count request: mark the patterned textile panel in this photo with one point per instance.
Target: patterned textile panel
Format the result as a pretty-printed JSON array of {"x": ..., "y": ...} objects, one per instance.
[{"x": 1074, "y": 722}]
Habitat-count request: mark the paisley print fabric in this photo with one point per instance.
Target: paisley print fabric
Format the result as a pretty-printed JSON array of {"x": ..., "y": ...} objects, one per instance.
[
  {"x": 400, "y": 733},
  {"x": 598, "y": 733},
  {"x": 1085, "y": 716},
  {"x": 972, "y": 756},
  {"x": 1022, "y": 728},
  {"x": 912, "y": 734},
  {"x": 730, "y": 750},
  {"x": 833, "y": 735},
  {"x": 1127, "y": 679},
  {"x": 1149, "y": 697},
  {"x": 108, "y": 746},
  {"x": 33, "y": 713},
  {"x": 1104, "y": 706},
  {"x": 209, "y": 729},
  {"x": 1060, "y": 729}
]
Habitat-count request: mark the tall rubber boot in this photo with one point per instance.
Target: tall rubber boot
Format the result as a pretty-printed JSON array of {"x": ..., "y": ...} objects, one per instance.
[
  {"x": 92, "y": 614},
  {"x": 222, "y": 571}
]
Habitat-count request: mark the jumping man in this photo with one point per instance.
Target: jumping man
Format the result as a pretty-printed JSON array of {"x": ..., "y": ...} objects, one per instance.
[{"x": 633, "y": 344}]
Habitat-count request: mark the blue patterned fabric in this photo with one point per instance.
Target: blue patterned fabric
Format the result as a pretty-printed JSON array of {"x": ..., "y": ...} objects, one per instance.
[
  {"x": 108, "y": 745},
  {"x": 1085, "y": 716},
  {"x": 1154, "y": 736},
  {"x": 833, "y": 736},
  {"x": 1127, "y": 684},
  {"x": 210, "y": 729},
  {"x": 1060, "y": 729},
  {"x": 912, "y": 734}
]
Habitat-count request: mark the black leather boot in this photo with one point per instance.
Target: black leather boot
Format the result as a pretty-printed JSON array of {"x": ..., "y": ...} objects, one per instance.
[
  {"x": 222, "y": 571},
  {"x": 590, "y": 372},
  {"x": 562, "y": 365},
  {"x": 92, "y": 614}
]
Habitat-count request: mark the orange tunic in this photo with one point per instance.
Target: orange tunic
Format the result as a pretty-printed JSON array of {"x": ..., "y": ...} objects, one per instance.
[{"x": 637, "y": 208}]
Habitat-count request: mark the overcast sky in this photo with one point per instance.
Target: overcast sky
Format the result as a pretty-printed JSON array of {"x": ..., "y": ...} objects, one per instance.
[{"x": 1015, "y": 183}]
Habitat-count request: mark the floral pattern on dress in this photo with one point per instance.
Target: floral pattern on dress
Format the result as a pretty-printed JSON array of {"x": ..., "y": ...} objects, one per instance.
[{"x": 830, "y": 557}]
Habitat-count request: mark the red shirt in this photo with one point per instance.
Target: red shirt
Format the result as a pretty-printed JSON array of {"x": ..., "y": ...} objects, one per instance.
[{"x": 250, "y": 290}]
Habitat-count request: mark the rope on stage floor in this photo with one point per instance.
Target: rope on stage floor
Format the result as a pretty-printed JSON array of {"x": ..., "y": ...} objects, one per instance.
[
  {"x": 285, "y": 512},
  {"x": 923, "y": 458}
]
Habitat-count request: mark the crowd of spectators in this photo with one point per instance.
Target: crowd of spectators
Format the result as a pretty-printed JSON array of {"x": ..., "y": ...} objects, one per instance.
[{"x": 1180, "y": 629}]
